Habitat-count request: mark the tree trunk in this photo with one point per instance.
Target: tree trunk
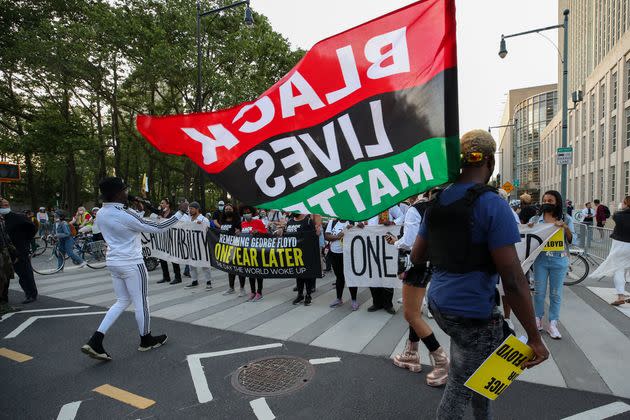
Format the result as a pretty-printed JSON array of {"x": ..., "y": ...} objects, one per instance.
[
  {"x": 102, "y": 147},
  {"x": 115, "y": 123}
]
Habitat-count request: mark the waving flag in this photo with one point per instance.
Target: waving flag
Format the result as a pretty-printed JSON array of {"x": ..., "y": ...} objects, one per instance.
[{"x": 366, "y": 119}]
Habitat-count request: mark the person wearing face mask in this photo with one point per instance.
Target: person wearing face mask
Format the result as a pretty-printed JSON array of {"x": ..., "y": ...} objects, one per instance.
[
  {"x": 550, "y": 267},
  {"x": 194, "y": 215},
  {"x": 21, "y": 231},
  {"x": 167, "y": 213},
  {"x": 218, "y": 214},
  {"x": 231, "y": 225},
  {"x": 251, "y": 226},
  {"x": 469, "y": 235},
  {"x": 617, "y": 264},
  {"x": 43, "y": 219}
]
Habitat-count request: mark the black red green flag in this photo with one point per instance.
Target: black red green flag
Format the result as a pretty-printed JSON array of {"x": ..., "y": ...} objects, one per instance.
[{"x": 366, "y": 119}]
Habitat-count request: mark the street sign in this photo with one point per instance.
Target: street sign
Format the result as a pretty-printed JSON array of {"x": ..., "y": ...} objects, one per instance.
[
  {"x": 508, "y": 187},
  {"x": 516, "y": 183},
  {"x": 564, "y": 156},
  {"x": 9, "y": 172}
]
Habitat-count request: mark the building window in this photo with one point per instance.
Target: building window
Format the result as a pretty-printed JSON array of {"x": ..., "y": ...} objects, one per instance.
[
  {"x": 591, "y": 191},
  {"x": 602, "y": 99},
  {"x": 592, "y": 104},
  {"x": 627, "y": 127},
  {"x": 612, "y": 185},
  {"x": 626, "y": 170},
  {"x": 627, "y": 79},
  {"x": 613, "y": 134},
  {"x": 601, "y": 186},
  {"x": 591, "y": 141},
  {"x": 583, "y": 151},
  {"x": 602, "y": 140},
  {"x": 613, "y": 103}
]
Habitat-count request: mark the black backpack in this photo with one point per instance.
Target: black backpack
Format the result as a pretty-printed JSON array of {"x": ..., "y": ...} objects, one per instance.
[{"x": 606, "y": 211}]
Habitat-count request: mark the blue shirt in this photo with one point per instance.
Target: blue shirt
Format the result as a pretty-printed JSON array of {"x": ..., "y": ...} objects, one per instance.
[{"x": 472, "y": 294}]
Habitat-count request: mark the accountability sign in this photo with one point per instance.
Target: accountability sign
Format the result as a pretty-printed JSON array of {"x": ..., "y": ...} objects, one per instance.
[
  {"x": 185, "y": 243},
  {"x": 295, "y": 256},
  {"x": 369, "y": 261},
  {"x": 366, "y": 119}
]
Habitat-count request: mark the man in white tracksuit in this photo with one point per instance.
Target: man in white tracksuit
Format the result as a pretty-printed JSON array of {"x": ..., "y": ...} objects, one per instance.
[
  {"x": 121, "y": 229},
  {"x": 196, "y": 216}
]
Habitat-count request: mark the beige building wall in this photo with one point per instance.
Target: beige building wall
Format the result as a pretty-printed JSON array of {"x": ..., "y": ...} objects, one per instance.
[
  {"x": 598, "y": 127},
  {"x": 505, "y": 140}
]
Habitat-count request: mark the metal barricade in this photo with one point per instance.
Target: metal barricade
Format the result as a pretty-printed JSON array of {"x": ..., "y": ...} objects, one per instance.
[{"x": 595, "y": 241}]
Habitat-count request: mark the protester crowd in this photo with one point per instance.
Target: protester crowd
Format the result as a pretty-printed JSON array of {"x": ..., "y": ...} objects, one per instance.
[{"x": 456, "y": 247}]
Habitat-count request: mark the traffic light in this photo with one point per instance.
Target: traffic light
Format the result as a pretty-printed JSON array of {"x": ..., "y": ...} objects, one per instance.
[{"x": 9, "y": 172}]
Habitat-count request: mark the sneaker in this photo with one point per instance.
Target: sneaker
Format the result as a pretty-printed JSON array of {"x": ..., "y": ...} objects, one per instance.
[
  {"x": 163, "y": 281},
  {"x": 257, "y": 297},
  {"x": 355, "y": 305},
  {"x": 440, "y": 362},
  {"x": 307, "y": 300},
  {"x": 552, "y": 329},
  {"x": 295, "y": 289},
  {"x": 148, "y": 342},
  {"x": 298, "y": 299},
  {"x": 336, "y": 303},
  {"x": 209, "y": 286},
  {"x": 390, "y": 310},
  {"x": 228, "y": 292},
  {"x": 400, "y": 300},
  {"x": 241, "y": 292},
  {"x": 251, "y": 297},
  {"x": 510, "y": 323},
  {"x": 192, "y": 285},
  {"x": 94, "y": 347},
  {"x": 539, "y": 324},
  {"x": 176, "y": 281},
  {"x": 409, "y": 358}
]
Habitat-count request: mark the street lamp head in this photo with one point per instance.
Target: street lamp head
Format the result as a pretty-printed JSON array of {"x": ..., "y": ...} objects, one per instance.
[
  {"x": 502, "y": 48},
  {"x": 249, "y": 17}
]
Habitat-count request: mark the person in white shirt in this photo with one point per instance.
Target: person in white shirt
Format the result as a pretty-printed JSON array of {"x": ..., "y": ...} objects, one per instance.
[
  {"x": 194, "y": 215},
  {"x": 415, "y": 282},
  {"x": 334, "y": 234},
  {"x": 122, "y": 228},
  {"x": 43, "y": 219}
]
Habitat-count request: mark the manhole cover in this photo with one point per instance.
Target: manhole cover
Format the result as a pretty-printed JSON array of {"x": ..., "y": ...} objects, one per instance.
[{"x": 272, "y": 376}]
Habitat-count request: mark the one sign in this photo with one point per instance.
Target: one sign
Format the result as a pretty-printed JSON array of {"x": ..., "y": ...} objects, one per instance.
[
  {"x": 9, "y": 172},
  {"x": 366, "y": 119},
  {"x": 516, "y": 183},
  {"x": 369, "y": 261},
  {"x": 564, "y": 156},
  {"x": 508, "y": 187},
  {"x": 290, "y": 256},
  {"x": 500, "y": 369}
]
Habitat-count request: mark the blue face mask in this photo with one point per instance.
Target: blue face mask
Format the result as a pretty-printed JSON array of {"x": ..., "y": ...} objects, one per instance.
[{"x": 5, "y": 211}]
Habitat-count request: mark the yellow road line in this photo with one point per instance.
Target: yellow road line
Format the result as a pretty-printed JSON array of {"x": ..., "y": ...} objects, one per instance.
[
  {"x": 14, "y": 355},
  {"x": 124, "y": 396}
]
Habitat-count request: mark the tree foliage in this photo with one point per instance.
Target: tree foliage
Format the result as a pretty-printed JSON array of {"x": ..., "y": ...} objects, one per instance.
[{"x": 74, "y": 74}]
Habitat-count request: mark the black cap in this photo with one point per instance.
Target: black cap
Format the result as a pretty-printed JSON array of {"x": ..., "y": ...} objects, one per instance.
[
  {"x": 111, "y": 186},
  {"x": 194, "y": 204}
]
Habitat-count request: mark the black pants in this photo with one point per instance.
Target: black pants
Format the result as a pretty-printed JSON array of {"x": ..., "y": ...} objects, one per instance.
[
  {"x": 24, "y": 270},
  {"x": 252, "y": 284},
  {"x": 337, "y": 266},
  {"x": 232, "y": 280},
  {"x": 166, "y": 274},
  {"x": 382, "y": 297},
  {"x": 309, "y": 283}
]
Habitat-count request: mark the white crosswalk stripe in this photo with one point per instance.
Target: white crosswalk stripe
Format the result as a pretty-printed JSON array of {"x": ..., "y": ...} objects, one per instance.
[{"x": 590, "y": 334}]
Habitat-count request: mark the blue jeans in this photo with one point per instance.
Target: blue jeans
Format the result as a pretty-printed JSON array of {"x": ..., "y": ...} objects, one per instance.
[
  {"x": 66, "y": 246},
  {"x": 554, "y": 269}
]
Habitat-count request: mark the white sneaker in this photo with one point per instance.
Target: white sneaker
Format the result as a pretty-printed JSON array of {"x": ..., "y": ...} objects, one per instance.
[
  {"x": 83, "y": 264},
  {"x": 510, "y": 323},
  {"x": 241, "y": 293},
  {"x": 399, "y": 300},
  {"x": 552, "y": 329},
  {"x": 539, "y": 325}
]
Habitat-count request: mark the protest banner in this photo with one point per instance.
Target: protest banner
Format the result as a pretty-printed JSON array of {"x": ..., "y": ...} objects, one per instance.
[
  {"x": 500, "y": 369},
  {"x": 366, "y": 119},
  {"x": 369, "y": 261},
  {"x": 184, "y": 243},
  {"x": 290, "y": 256}
]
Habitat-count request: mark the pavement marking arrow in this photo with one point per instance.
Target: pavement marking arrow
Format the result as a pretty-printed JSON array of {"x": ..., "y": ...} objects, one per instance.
[
  {"x": 261, "y": 409},
  {"x": 124, "y": 396},
  {"x": 10, "y": 314},
  {"x": 603, "y": 412},
  {"x": 14, "y": 355},
  {"x": 32, "y": 319},
  {"x": 69, "y": 411},
  {"x": 324, "y": 360},
  {"x": 199, "y": 377}
]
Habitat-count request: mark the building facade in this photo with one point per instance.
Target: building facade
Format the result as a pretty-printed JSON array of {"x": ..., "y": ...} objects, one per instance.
[
  {"x": 527, "y": 111},
  {"x": 599, "y": 126}
]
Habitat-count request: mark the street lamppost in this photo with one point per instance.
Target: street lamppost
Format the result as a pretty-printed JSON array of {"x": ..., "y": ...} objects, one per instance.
[
  {"x": 249, "y": 21},
  {"x": 501, "y": 173},
  {"x": 565, "y": 72}
]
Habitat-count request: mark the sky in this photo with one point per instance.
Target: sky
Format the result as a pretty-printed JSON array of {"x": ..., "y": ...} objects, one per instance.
[{"x": 484, "y": 78}]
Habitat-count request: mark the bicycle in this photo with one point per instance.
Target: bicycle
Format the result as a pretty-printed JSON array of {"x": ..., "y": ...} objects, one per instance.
[
  {"x": 94, "y": 253},
  {"x": 579, "y": 266}
]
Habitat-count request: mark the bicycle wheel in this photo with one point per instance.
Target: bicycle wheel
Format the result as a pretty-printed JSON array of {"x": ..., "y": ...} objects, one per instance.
[
  {"x": 40, "y": 245},
  {"x": 578, "y": 270},
  {"x": 95, "y": 254},
  {"x": 47, "y": 262}
]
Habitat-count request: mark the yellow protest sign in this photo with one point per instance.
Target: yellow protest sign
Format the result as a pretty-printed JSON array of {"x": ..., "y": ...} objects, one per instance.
[
  {"x": 556, "y": 242},
  {"x": 500, "y": 369}
]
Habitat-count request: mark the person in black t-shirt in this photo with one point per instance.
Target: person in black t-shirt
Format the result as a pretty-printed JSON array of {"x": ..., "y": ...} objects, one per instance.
[
  {"x": 302, "y": 223},
  {"x": 230, "y": 222}
]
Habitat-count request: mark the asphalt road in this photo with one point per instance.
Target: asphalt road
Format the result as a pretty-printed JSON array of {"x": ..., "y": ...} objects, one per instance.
[{"x": 356, "y": 387}]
